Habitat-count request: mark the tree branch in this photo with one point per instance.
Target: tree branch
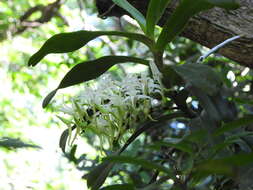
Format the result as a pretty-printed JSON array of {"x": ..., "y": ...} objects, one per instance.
[
  {"x": 208, "y": 28},
  {"x": 47, "y": 13}
]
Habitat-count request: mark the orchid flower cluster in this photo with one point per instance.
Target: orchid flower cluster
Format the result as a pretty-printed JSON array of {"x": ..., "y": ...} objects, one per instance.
[{"x": 112, "y": 109}]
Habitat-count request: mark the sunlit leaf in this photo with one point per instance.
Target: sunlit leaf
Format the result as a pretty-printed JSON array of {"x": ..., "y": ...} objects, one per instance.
[
  {"x": 119, "y": 187},
  {"x": 155, "y": 11},
  {"x": 89, "y": 70},
  {"x": 97, "y": 176},
  {"x": 68, "y": 42},
  {"x": 133, "y": 11},
  {"x": 185, "y": 10}
]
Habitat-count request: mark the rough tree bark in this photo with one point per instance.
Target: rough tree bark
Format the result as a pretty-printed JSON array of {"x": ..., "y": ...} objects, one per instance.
[{"x": 208, "y": 28}]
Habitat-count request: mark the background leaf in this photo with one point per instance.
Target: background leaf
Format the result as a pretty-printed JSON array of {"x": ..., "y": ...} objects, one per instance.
[
  {"x": 234, "y": 124},
  {"x": 133, "y": 11},
  {"x": 225, "y": 166},
  {"x": 200, "y": 76},
  {"x": 182, "y": 145},
  {"x": 9, "y": 143},
  {"x": 137, "y": 161}
]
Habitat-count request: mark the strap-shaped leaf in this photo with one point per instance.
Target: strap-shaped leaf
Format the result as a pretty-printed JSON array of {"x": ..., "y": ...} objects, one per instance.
[
  {"x": 89, "y": 70},
  {"x": 244, "y": 121},
  {"x": 98, "y": 175},
  {"x": 156, "y": 9},
  {"x": 138, "y": 161},
  {"x": 182, "y": 145},
  {"x": 133, "y": 11},
  {"x": 68, "y": 42},
  {"x": 185, "y": 10},
  {"x": 224, "y": 166}
]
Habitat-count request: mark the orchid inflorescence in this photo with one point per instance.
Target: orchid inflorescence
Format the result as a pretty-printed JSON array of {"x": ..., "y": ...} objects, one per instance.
[{"x": 112, "y": 109}]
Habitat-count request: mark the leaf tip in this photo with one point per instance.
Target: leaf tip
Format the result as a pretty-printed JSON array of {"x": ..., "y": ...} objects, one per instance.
[
  {"x": 48, "y": 98},
  {"x": 35, "y": 58}
]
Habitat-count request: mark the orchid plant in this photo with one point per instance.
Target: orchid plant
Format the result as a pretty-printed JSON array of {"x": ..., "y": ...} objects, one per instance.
[{"x": 118, "y": 112}]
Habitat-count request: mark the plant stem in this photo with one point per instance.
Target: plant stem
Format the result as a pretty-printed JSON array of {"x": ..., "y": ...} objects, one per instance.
[{"x": 158, "y": 59}]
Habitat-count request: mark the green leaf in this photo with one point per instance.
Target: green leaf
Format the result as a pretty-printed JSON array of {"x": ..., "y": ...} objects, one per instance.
[
  {"x": 210, "y": 108},
  {"x": 119, "y": 187},
  {"x": 64, "y": 138},
  {"x": 149, "y": 125},
  {"x": 230, "y": 140},
  {"x": 48, "y": 98},
  {"x": 156, "y": 9},
  {"x": 200, "y": 76},
  {"x": 71, "y": 155},
  {"x": 227, "y": 110},
  {"x": 179, "y": 18},
  {"x": 181, "y": 145},
  {"x": 89, "y": 70},
  {"x": 97, "y": 176},
  {"x": 68, "y": 42},
  {"x": 133, "y": 11},
  {"x": 203, "y": 82},
  {"x": 197, "y": 136},
  {"x": 137, "y": 161},
  {"x": 246, "y": 120},
  {"x": 185, "y": 10},
  {"x": 157, "y": 185},
  {"x": 225, "y": 166},
  {"x": 9, "y": 143}
]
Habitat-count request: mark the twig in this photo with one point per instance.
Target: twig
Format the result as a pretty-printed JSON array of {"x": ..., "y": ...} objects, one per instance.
[
  {"x": 201, "y": 58},
  {"x": 103, "y": 16}
]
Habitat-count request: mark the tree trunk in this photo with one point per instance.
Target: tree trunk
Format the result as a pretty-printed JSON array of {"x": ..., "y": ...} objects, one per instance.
[{"x": 208, "y": 28}]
